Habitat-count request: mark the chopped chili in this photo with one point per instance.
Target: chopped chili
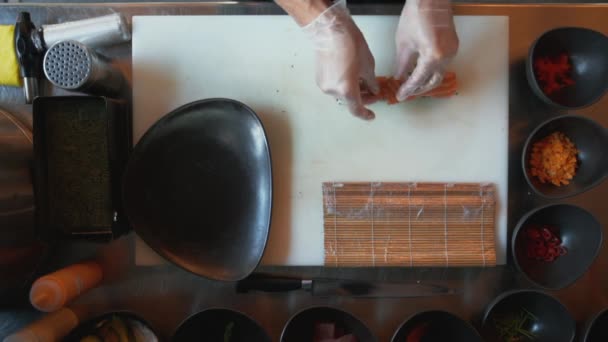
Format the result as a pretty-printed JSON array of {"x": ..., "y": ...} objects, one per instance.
[
  {"x": 543, "y": 243},
  {"x": 418, "y": 332},
  {"x": 553, "y": 73}
]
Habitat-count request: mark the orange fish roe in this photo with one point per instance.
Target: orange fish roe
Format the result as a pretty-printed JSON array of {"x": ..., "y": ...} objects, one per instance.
[{"x": 554, "y": 159}]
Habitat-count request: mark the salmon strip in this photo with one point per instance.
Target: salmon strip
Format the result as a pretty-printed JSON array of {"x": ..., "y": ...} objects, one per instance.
[
  {"x": 389, "y": 87},
  {"x": 449, "y": 86}
]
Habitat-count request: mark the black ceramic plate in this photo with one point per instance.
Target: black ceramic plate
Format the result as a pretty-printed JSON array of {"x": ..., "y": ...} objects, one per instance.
[
  {"x": 219, "y": 325},
  {"x": 301, "y": 327},
  {"x": 198, "y": 188}
]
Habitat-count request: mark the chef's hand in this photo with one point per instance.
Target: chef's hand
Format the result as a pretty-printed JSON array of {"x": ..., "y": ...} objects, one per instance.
[
  {"x": 426, "y": 41},
  {"x": 344, "y": 64}
]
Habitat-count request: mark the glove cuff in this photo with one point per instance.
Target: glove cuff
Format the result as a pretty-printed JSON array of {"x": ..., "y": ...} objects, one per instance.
[
  {"x": 422, "y": 5},
  {"x": 328, "y": 18}
]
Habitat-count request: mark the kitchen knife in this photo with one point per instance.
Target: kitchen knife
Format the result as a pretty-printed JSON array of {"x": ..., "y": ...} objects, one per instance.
[{"x": 341, "y": 287}]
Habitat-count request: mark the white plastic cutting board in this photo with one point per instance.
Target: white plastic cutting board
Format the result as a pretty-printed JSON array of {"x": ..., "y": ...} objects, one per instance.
[{"x": 267, "y": 63}]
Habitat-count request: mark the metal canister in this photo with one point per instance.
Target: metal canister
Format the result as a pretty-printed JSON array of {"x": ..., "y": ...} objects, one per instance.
[
  {"x": 94, "y": 32},
  {"x": 74, "y": 66}
]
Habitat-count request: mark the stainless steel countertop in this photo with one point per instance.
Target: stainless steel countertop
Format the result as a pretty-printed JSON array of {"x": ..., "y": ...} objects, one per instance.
[{"x": 165, "y": 295}]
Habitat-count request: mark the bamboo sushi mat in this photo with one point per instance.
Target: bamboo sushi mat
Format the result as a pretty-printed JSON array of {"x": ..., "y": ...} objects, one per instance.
[{"x": 409, "y": 224}]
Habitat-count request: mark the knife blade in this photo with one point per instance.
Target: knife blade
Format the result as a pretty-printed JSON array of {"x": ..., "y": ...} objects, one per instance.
[{"x": 323, "y": 287}]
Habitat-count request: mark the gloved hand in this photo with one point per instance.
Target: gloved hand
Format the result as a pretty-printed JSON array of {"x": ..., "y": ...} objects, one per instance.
[
  {"x": 344, "y": 63},
  {"x": 426, "y": 38}
]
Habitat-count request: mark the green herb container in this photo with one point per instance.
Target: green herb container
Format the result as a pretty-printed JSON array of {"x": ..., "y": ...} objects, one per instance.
[
  {"x": 526, "y": 316},
  {"x": 220, "y": 325}
]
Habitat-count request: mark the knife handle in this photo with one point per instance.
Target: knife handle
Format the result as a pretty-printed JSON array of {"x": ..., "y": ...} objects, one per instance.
[{"x": 267, "y": 283}]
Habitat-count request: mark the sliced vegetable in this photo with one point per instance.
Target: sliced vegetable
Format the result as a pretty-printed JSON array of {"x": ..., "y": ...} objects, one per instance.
[
  {"x": 418, "y": 332},
  {"x": 91, "y": 338},
  {"x": 324, "y": 331},
  {"x": 228, "y": 332},
  {"x": 328, "y": 332},
  {"x": 113, "y": 329},
  {"x": 124, "y": 334}
]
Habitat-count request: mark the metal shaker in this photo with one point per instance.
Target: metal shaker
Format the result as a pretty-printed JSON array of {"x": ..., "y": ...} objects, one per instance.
[{"x": 74, "y": 66}]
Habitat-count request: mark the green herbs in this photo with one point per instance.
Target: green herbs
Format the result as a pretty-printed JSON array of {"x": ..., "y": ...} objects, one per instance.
[
  {"x": 228, "y": 332},
  {"x": 515, "y": 327}
]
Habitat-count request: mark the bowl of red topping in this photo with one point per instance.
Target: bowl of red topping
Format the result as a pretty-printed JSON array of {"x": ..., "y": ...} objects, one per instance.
[
  {"x": 327, "y": 324},
  {"x": 436, "y": 326},
  {"x": 554, "y": 245},
  {"x": 566, "y": 67}
]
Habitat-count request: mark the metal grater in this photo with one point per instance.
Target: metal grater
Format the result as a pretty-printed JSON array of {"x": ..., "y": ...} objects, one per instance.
[{"x": 74, "y": 66}]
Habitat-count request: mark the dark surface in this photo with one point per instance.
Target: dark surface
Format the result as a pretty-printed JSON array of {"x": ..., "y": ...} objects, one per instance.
[
  {"x": 89, "y": 327},
  {"x": 343, "y": 287},
  {"x": 301, "y": 327},
  {"x": 165, "y": 295},
  {"x": 587, "y": 51},
  {"x": 351, "y": 2},
  {"x": 268, "y": 283},
  {"x": 211, "y": 325},
  {"x": 20, "y": 251},
  {"x": 440, "y": 326},
  {"x": 580, "y": 233},
  {"x": 591, "y": 141},
  {"x": 597, "y": 329},
  {"x": 198, "y": 188},
  {"x": 553, "y": 322}
]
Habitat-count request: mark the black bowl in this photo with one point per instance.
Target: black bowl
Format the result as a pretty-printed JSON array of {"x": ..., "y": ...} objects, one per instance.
[
  {"x": 591, "y": 140},
  {"x": 597, "y": 329},
  {"x": 437, "y": 326},
  {"x": 301, "y": 327},
  {"x": 588, "y": 52},
  {"x": 140, "y": 329},
  {"x": 581, "y": 234},
  {"x": 211, "y": 325},
  {"x": 552, "y": 322}
]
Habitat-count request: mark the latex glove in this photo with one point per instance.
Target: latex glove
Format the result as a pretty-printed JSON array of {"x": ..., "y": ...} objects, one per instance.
[
  {"x": 426, "y": 38},
  {"x": 344, "y": 63}
]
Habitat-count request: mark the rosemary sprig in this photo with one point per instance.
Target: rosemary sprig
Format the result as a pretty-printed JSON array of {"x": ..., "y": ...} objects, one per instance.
[{"x": 514, "y": 327}]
